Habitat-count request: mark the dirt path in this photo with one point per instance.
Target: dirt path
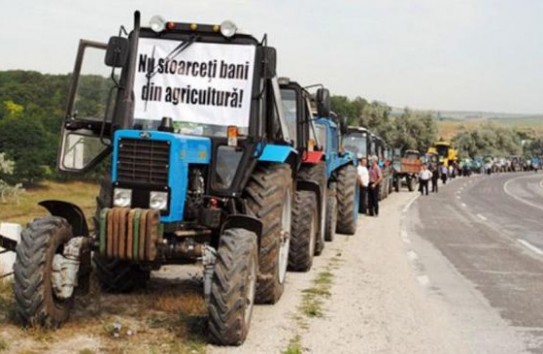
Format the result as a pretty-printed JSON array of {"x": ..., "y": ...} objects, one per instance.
[{"x": 375, "y": 303}]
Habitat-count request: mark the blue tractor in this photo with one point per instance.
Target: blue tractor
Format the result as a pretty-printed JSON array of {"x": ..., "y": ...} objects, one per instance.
[
  {"x": 202, "y": 164},
  {"x": 343, "y": 189},
  {"x": 329, "y": 176}
]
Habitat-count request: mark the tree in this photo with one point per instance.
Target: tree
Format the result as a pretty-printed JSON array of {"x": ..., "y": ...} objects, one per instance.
[
  {"x": 25, "y": 142},
  {"x": 7, "y": 168},
  {"x": 487, "y": 139}
]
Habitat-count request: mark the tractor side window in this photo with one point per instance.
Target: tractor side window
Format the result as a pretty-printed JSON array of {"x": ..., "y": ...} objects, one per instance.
[
  {"x": 80, "y": 150},
  {"x": 93, "y": 88},
  {"x": 321, "y": 135},
  {"x": 85, "y": 134},
  {"x": 290, "y": 109},
  {"x": 228, "y": 159}
]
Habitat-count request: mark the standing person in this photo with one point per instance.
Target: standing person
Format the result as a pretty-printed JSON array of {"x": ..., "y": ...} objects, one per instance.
[
  {"x": 376, "y": 176},
  {"x": 444, "y": 173},
  {"x": 435, "y": 178},
  {"x": 364, "y": 181},
  {"x": 424, "y": 177}
]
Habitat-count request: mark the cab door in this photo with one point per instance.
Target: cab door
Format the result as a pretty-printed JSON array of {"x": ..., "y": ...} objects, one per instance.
[{"x": 87, "y": 129}]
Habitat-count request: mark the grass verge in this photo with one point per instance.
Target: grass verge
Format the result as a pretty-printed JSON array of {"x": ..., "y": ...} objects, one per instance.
[
  {"x": 312, "y": 302},
  {"x": 82, "y": 194}
]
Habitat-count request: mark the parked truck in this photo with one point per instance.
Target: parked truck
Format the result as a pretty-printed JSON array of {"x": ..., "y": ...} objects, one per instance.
[
  {"x": 203, "y": 169},
  {"x": 406, "y": 169}
]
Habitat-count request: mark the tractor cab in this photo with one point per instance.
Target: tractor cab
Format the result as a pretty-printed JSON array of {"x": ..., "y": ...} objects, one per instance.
[{"x": 358, "y": 141}]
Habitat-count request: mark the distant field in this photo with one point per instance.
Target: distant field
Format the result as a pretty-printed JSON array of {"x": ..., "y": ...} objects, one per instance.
[
  {"x": 449, "y": 127},
  {"x": 80, "y": 193}
]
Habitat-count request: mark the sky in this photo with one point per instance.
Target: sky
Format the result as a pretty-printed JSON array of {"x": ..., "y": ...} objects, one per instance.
[{"x": 472, "y": 55}]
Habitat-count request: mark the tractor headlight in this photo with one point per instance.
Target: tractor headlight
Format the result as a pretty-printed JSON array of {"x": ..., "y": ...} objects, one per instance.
[
  {"x": 158, "y": 200},
  {"x": 228, "y": 29},
  {"x": 122, "y": 197},
  {"x": 157, "y": 23}
]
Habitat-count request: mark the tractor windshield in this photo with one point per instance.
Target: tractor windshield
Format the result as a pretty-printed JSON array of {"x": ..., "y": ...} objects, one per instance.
[
  {"x": 203, "y": 87},
  {"x": 442, "y": 150},
  {"x": 357, "y": 143}
]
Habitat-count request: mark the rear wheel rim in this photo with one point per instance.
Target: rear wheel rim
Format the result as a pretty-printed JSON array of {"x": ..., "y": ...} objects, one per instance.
[
  {"x": 313, "y": 235},
  {"x": 251, "y": 290},
  {"x": 285, "y": 237}
]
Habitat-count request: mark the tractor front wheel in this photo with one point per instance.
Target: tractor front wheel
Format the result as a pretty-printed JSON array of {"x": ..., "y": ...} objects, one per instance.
[
  {"x": 36, "y": 302},
  {"x": 233, "y": 287}
]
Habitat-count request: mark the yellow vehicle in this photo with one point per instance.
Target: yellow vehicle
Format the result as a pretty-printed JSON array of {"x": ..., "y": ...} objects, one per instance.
[{"x": 443, "y": 152}]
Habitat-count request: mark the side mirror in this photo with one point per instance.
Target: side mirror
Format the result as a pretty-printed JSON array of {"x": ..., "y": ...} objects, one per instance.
[
  {"x": 269, "y": 62},
  {"x": 323, "y": 102},
  {"x": 117, "y": 52},
  {"x": 342, "y": 121}
]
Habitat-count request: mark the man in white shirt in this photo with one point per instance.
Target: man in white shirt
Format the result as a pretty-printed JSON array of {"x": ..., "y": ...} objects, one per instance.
[
  {"x": 364, "y": 181},
  {"x": 424, "y": 176}
]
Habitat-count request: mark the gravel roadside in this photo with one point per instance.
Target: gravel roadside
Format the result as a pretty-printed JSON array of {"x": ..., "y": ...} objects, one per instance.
[{"x": 375, "y": 303}]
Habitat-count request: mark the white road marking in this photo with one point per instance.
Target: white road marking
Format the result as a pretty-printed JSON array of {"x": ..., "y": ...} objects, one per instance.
[
  {"x": 457, "y": 197},
  {"x": 506, "y": 190},
  {"x": 464, "y": 205},
  {"x": 406, "y": 207},
  {"x": 412, "y": 256},
  {"x": 531, "y": 247},
  {"x": 423, "y": 280},
  {"x": 482, "y": 217}
]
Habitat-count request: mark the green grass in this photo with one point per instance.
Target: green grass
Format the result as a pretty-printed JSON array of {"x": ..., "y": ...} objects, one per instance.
[
  {"x": 313, "y": 297},
  {"x": 312, "y": 302},
  {"x": 3, "y": 345},
  {"x": 82, "y": 194},
  {"x": 86, "y": 351},
  {"x": 7, "y": 304},
  {"x": 294, "y": 346}
]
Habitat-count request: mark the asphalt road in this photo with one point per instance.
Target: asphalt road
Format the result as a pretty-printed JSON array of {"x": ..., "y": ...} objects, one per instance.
[{"x": 477, "y": 246}]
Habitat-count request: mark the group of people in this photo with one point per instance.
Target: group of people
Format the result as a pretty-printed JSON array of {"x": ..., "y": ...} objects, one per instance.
[
  {"x": 369, "y": 178},
  {"x": 433, "y": 173}
]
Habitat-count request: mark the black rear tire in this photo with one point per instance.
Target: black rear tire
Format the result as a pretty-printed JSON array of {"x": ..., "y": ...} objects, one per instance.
[
  {"x": 331, "y": 213},
  {"x": 233, "y": 287},
  {"x": 304, "y": 232},
  {"x": 118, "y": 276},
  {"x": 317, "y": 173},
  {"x": 347, "y": 182},
  {"x": 411, "y": 181},
  {"x": 268, "y": 193},
  {"x": 397, "y": 183},
  {"x": 36, "y": 303}
]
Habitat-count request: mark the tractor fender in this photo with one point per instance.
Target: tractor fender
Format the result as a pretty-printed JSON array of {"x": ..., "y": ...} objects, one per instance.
[
  {"x": 71, "y": 212},
  {"x": 243, "y": 222}
]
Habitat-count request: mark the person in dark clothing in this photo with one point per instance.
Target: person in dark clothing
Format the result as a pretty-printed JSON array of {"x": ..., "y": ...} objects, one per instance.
[
  {"x": 444, "y": 173},
  {"x": 435, "y": 178},
  {"x": 376, "y": 176}
]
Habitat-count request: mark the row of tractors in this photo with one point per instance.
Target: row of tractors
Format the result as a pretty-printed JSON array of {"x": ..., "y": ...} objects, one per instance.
[{"x": 212, "y": 159}]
